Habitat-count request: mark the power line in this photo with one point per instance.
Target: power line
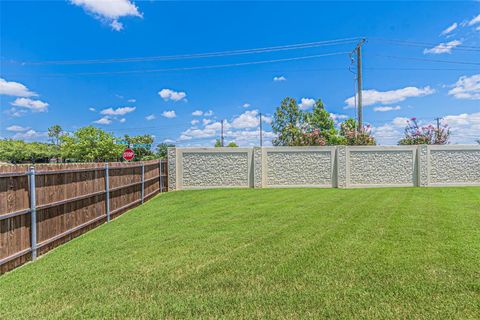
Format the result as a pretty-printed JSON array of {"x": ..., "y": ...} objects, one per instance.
[
  {"x": 421, "y": 44},
  {"x": 193, "y": 68},
  {"x": 428, "y": 60},
  {"x": 201, "y": 55}
]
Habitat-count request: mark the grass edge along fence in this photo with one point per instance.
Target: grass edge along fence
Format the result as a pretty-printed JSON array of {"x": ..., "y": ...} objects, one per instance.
[{"x": 63, "y": 201}]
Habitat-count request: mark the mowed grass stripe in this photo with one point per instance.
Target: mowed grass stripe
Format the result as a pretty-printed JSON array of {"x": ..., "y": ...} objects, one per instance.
[{"x": 270, "y": 253}]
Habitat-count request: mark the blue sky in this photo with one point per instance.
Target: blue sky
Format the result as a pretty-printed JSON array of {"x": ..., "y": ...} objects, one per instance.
[{"x": 57, "y": 68}]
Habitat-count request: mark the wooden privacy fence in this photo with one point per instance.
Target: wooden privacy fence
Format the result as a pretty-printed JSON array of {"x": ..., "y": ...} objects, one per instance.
[{"x": 62, "y": 201}]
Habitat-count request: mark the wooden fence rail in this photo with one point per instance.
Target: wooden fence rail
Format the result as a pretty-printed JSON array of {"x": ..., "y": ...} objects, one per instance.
[{"x": 62, "y": 201}]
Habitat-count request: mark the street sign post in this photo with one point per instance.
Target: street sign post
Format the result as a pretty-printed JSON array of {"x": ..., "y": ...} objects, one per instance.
[{"x": 128, "y": 154}]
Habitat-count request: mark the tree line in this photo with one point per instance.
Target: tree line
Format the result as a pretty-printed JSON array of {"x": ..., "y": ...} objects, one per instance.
[{"x": 87, "y": 144}]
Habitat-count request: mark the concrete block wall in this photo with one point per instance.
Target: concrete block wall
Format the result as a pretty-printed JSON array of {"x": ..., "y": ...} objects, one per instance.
[{"x": 323, "y": 167}]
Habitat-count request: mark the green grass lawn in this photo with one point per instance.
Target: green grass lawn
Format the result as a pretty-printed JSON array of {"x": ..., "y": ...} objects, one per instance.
[{"x": 410, "y": 253}]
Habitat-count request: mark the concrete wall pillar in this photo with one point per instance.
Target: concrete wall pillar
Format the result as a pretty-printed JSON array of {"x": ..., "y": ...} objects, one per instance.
[
  {"x": 422, "y": 165},
  {"x": 341, "y": 164},
  {"x": 172, "y": 169},
  {"x": 257, "y": 167}
]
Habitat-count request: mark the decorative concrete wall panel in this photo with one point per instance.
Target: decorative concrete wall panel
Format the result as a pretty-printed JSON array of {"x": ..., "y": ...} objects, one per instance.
[
  {"x": 299, "y": 168},
  {"x": 381, "y": 167},
  {"x": 215, "y": 169},
  {"x": 454, "y": 166}
]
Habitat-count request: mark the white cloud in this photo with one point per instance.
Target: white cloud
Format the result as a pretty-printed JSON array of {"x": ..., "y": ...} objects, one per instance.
[
  {"x": 34, "y": 105},
  {"x": 246, "y": 105},
  {"x": 443, "y": 47},
  {"x": 467, "y": 88},
  {"x": 168, "y": 94},
  {"x": 391, "y": 132},
  {"x": 194, "y": 133},
  {"x": 109, "y": 11},
  {"x": 465, "y": 128},
  {"x": 30, "y": 135},
  {"x": 92, "y": 109},
  {"x": 280, "y": 78},
  {"x": 15, "y": 128},
  {"x": 210, "y": 130},
  {"x": 103, "y": 120},
  {"x": 116, "y": 25},
  {"x": 132, "y": 100},
  {"x": 250, "y": 137},
  {"x": 241, "y": 130},
  {"x": 386, "y": 97},
  {"x": 150, "y": 117},
  {"x": 474, "y": 21},
  {"x": 400, "y": 122},
  {"x": 14, "y": 112},
  {"x": 169, "y": 114},
  {"x": 208, "y": 113},
  {"x": 168, "y": 141},
  {"x": 123, "y": 120},
  {"x": 449, "y": 29},
  {"x": 194, "y": 122},
  {"x": 197, "y": 113},
  {"x": 306, "y": 103},
  {"x": 387, "y": 108},
  {"x": 338, "y": 117},
  {"x": 16, "y": 89},
  {"x": 248, "y": 119},
  {"x": 266, "y": 119},
  {"x": 117, "y": 112}
]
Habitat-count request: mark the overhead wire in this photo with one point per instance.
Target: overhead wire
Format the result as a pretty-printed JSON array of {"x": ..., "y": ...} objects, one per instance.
[
  {"x": 429, "y": 60},
  {"x": 238, "y": 64},
  {"x": 422, "y": 44},
  {"x": 200, "y": 55}
]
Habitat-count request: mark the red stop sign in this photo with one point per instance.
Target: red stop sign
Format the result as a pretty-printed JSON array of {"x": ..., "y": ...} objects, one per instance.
[{"x": 128, "y": 154}]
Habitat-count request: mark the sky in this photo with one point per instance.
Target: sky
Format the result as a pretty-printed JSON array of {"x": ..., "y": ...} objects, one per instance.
[{"x": 176, "y": 69}]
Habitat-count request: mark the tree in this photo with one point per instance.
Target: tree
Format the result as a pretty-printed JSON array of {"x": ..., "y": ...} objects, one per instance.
[
  {"x": 54, "y": 132},
  {"x": 13, "y": 150},
  {"x": 17, "y": 151},
  {"x": 287, "y": 123},
  {"x": 295, "y": 127},
  {"x": 90, "y": 144},
  {"x": 320, "y": 124},
  {"x": 416, "y": 134},
  {"x": 162, "y": 150},
  {"x": 218, "y": 144},
  {"x": 140, "y": 145},
  {"x": 348, "y": 130}
]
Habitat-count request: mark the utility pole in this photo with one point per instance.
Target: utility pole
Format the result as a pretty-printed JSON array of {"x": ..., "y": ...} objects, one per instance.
[
  {"x": 221, "y": 138},
  {"x": 359, "y": 84},
  {"x": 437, "y": 134},
  {"x": 261, "y": 131},
  {"x": 438, "y": 123}
]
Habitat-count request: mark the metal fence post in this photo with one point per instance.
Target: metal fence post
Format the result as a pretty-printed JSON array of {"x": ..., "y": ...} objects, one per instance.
[
  {"x": 107, "y": 192},
  {"x": 33, "y": 211},
  {"x": 143, "y": 180},
  {"x": 160, "y": 175}
]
